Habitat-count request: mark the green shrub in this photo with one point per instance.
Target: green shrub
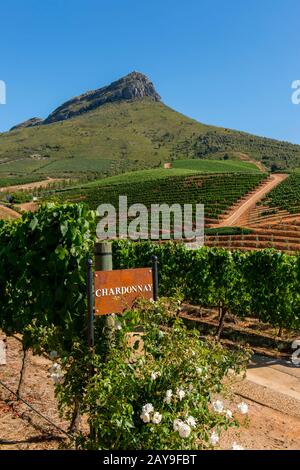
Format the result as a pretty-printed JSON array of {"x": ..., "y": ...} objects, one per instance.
[{"x": 167, "y": 379}]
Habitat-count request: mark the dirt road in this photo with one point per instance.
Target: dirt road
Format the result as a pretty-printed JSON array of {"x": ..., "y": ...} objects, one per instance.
[
  {"x": 37, "y": 184},
  {"x": 233, "y": 218},
  {"x": 7, "y": 213}
]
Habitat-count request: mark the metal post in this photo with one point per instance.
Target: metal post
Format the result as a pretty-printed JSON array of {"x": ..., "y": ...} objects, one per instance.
[
  {"x": 155, "y": 277},
  {"x": 91, "y": 339}
]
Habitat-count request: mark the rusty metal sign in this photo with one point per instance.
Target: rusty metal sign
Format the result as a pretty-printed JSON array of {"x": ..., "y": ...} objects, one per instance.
[{"x": 115, "y": 291}]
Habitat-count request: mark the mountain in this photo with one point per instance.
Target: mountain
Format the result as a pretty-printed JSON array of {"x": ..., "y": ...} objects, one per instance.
[
  {"x": 135, "y": 86},
  {"x": 35, "y": 121},
  {"x": 125, "y": 126}
]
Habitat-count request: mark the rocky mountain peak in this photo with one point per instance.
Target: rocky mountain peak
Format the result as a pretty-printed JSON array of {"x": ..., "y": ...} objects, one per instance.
[
  {"x": 35, "y": 121},
  {"x": 134, "y": 86}
]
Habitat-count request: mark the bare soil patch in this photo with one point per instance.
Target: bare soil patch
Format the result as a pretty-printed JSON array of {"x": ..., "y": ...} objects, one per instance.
[
  {"x": 8, "y": 213},
  {"x": 21, "y": 428}
]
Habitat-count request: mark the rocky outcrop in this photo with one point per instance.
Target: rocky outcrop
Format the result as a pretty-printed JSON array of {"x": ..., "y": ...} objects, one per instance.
[
  {"x": 35, "y": 121},
  {"x": 134, "y": 86}
]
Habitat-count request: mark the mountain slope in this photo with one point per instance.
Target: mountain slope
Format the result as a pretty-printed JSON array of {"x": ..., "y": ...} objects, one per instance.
[
  {"x": 113, "y": 137},
  {"x": 125, "y": 126}
]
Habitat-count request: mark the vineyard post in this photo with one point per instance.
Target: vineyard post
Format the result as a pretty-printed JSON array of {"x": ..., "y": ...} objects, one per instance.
[
  {"x": 104, "y": 262},
  {"x": 222, "y": 313},
  {"x": 155, "y": 277},
  {"x": 220, "y": 309},
  {"x": 103, "y": 256},
  {"x": 91, "y": 338}
]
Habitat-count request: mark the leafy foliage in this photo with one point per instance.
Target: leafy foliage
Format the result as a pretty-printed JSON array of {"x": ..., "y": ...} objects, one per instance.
[
  {"x": 155, "y": 353},
  {"x": 264, "y": 284},
  {"x": 43, "y": 261}
]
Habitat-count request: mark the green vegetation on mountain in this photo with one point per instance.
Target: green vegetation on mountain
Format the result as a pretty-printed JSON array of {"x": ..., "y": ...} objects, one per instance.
[
  {"x": 124, "y": 127},
  {"x": 216, "y": 166}
]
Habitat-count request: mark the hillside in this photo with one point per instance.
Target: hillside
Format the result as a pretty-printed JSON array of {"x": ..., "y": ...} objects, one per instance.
[
  {"x": 216, "y": 191},
  {"x": 216, "y": 166},
  {"x": 125, "y": 126}
]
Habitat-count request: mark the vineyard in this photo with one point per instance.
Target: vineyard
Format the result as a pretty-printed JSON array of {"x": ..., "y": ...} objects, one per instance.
[
  {"x": 43, "y": 262},
  {"x": 43, "y": 267},
  {"x": 205, "y": 276},
  {"x": 215, "y": 166},
  {"x": 287, "y": 195},
  {"x": 216, "y": 192},
  {"x": 273, "y": 222}
]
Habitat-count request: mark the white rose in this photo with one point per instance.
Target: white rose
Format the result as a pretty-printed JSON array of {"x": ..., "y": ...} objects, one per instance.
[
  {"x": 218, "y": 406},
  {"x": 180, "y": 393},
  {"x": 191, "y": 421},
  {"x": 199, "y": 370},
  {"x": 168, "y": 397},
  {"x": 236, "y": 446},
  {"x": 176, "y": 424},
  {"x": 145, "y": 417},
  {"x": 214, "y": 438},
  {"x": 148, "y": 408},
  {"x": 57, "y": 378},
  {"x": 243, "y": 408},
  {"x": 184, "y": 430},
  {"x": 229, "y": 414},
  {"x": 154, "y": 375},
  {"x": 55, "y": 367},
  {"x": 157, "y": 417}
]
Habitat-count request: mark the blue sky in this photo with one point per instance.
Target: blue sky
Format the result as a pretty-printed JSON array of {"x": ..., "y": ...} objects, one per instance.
[{"x": 224, "y": 62}]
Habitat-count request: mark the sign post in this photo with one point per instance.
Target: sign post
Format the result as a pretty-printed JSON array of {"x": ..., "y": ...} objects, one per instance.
[
  {"x": 155, "y": 277},
  {"x": 90, "y": 294},
  {"x": 113, "y": 291}
]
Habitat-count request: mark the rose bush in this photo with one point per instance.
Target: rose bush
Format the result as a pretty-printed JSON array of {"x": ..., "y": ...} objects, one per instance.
[{"x": 155, "y": 388}]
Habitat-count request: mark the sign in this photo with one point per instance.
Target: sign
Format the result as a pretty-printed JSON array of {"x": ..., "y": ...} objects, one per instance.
[{"x": 115, "y": 291}]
